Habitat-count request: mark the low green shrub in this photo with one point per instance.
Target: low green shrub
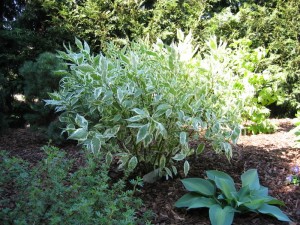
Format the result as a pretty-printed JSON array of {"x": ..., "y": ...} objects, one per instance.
[
  {"x": 52, "y": 193},
  {"x": 219, "y": 194},
  {"x": 145, "y": 103}
]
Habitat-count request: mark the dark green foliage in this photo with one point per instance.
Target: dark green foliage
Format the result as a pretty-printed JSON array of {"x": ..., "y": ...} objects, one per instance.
[{"x": 51, "y": 193}]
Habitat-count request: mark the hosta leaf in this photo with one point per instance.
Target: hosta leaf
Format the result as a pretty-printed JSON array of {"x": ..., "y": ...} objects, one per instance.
[
  {"x": 254, "y": 204},
  {"x": 226, "y": 186},
  {"x": 187, "y": 199},
  {"x": 79, "y": 134},
  {"x": 251, "y": 179},
  {"x": 199, "y": 185},
  {"x": 273, "y": 211},
  {"x": 186, "y": 168},
  {"x": 81, "y": 121},
  {"x": 142, "y": 133},
  {"x": 221, "y": 216},
  {"x": 202, "y": 202},
  {"x": 213, "y": 174}
]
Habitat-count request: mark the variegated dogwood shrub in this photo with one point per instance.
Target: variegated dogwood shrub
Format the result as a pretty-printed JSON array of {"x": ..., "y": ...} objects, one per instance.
[{"x": 144, "y": 103}]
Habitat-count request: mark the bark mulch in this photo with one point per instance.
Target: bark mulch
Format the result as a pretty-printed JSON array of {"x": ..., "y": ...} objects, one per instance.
[{"x": 273, "y": 155}]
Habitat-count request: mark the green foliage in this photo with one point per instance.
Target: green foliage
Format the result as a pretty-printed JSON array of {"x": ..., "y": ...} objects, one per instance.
[
  {"x": 39, "y": 80},
  {"x": 296, "y": 130},
  {"x": 273, "y": 26},
  {"x": 145, "y": 103},
  {"x": 219, "y": 194},
  {"x": 51, "y": 193}
]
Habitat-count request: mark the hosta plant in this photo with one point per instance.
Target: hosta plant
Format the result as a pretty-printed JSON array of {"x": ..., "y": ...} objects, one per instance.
[
  {"x": 218, "y": 193},
  {"x": 144, "y": 103}
]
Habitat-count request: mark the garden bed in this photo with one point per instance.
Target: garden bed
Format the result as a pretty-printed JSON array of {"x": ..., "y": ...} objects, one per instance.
[{"x": 273, "y": 155}]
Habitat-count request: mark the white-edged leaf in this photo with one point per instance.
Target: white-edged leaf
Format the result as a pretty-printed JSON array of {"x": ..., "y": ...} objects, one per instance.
[
  {"x": 79, "y": 134},
  {"x": 81, "y": 121},
  {"x": 183, "y": 138},
  {"x": 142, "y": 133},
  {"x": 135, "y": 118},
  {"x": 174, "y": 170},
  {"x": 179, "y": 157},
  {"x": 186, "y": 168},
  {"x": 162, "y": 162},
  {"x": 132, "y": 163},
  {"x": 168, "y": 172}
]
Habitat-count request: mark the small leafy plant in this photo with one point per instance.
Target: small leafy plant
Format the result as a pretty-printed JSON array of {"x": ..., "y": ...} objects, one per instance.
[
  {"x": 219, "y": 194},
  {"x": 294, "y": 178},
  {"x": 53, "y": 193}
]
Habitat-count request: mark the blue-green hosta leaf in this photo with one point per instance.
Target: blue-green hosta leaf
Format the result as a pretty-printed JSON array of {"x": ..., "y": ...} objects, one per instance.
[
  {"x": 221, "y": 216},
  {"x": 226, "y": 186},
  {"x": 187, "y": 199},
  {"x": 186, "y": 168},
  {"x": 142, "y": 133},
  {"x": 81, "y": 121},
  {"x": 213, "y": 174},
  {"x": 274, "y": 201},
  {"x": 79, "y": 134},
  {"x": 199, "y": 185},
  {"x": 243, "y": 195},
  {"x": 254, "y": 204},
  {"x": 251, "y": 179},
  {"x": 273, "y": 211},
  {"x": 202, "y": 202}
]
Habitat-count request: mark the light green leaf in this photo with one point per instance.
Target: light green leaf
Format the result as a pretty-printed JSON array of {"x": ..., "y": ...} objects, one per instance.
[
  {"x": 273, "y": 211},
  {"x": 142, "y": 133},
  {"x": 86, "y": 47},
  {"x": 78, "y": 43},
  {"x": 219, "y": 216},
  {"x": 251, "y": 179},
  {"x": 199, "y": 185},
  {"x": 135, "y": 125},
  {"x": 200, "y": 148},
  {"x": 135, "y": 118},
  {"x": 169, "y": 172},
  {"x": 79, "y": 134},
  {"x": 179, "y": 157},
  {"x": 186, "y": 168},
  {"x": 86, "y": 68},
  {"x": 174, "y": 170},
  {"x": 183, "y": 136},
  {"x": 162, "y": 162}
]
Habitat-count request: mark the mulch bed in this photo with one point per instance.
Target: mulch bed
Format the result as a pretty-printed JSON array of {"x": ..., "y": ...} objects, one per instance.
[{"x": 272, "y": 155}]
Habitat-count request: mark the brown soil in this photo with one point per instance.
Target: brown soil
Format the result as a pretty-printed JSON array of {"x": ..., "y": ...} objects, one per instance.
[{"x": 272, "y": 155}]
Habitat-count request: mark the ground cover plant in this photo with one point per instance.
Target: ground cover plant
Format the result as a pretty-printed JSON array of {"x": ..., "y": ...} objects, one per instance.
[
  {"x": 218, "y": 193},
  {"x": 53, "y": 193}
]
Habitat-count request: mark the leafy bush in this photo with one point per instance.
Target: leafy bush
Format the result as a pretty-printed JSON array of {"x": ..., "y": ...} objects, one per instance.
[
  {"x": 296, "y": 130},
  {"x": 145, "y": 103},
  {"x": 219, "y": 194},
  {"x": 51, "y": 193}
]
